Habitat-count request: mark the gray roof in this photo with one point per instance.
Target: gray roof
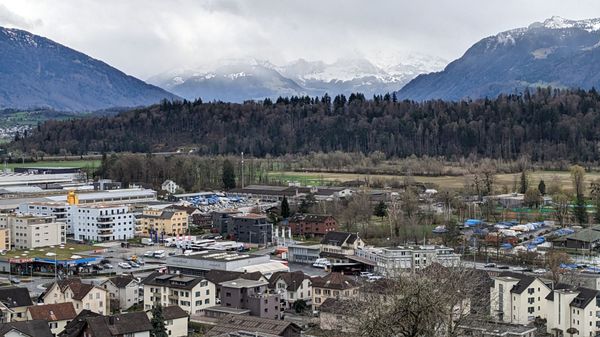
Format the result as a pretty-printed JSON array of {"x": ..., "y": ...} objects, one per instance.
[
  {"x": 591, "y": 234},
  {"x": 117, "y": 325},
  {"x": 243, "y": 283},
  {"x": 13, "y": 297},
  {"x": 172, "y": 280},
  {"x": 339, "y": 238},
  {"x": 33, "y": 328},
  {"x": 235, "y": 323}
]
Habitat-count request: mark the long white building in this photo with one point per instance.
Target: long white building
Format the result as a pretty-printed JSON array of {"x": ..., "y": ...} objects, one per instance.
[
  {"x": 28, "y": 231},
  {"x": 102, "y": 222},
  {"x": 391, "y": 260}
]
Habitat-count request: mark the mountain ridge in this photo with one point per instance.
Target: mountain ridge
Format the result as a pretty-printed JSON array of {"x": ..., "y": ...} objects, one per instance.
[
  {"x": 36, "y": 72},
  {"x": 557, "y": 52}
]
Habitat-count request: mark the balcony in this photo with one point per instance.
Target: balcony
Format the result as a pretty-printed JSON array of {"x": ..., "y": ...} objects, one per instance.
[
  {"x": 104, "y": 220},
  {"x": 173, "y": 297}
]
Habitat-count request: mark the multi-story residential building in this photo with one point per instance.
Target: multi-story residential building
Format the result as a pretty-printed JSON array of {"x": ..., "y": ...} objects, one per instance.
[
  {"x": 291, "y": 286},
  {"x": 123, "y": 291},
  {"x": 333, "y": 285},
  {"x": 29, "y": 231},
  {"x": 392, "y": 260},
  {"x": 57, "y": 315},
  {"x": 312, "y": 224},
  {"x": 192, "y": 294},
  {"x": 252, "y": 228},
  {"x": 222, "y": 221},
  {"x": 518, "y": 298},
  {"x": 59, "y": 210},
  {"x": 573, "y": 311},
  {"x": 102, "y": 222},
  {"x": 84, "y": 296},
  {"x": 176, "y": 320},
  {"x": 252, "y": 295},
  {"x": 168, "y": 221},
  {"x": 5, "y": 243},
  {"x": 14, "y": 302},
  {"x": 338, "y": 246}
]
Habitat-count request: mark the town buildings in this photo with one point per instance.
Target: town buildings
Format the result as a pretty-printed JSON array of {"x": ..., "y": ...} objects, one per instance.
[
  {"x": 57, "y": 315},
  {"x": 253, "y": 295},
  {"x": 102, "y": 222},
  {"x": 168, "y": 221},
  {"x": 312, "y": 224},
  {"x": 390, "y": 261},
  {"x": 338, "y": 246},
  {"x": 192, "y": 294},
  {"x": 176, "y": 320},
  {"x": 333, "y": 285},
  {"x": 304, "y": 253},
  {"x": 14, "y": 302},
  {"x": 246, "y": 326},
  {"x": 84, "y": 296},
  {"x": 169, "y": 186},
  {"x": 28, "y": 231},
  {"x": 123, "y": 291},
  {"x": 291, "y": 287},
  {"x": 252, "y": 228}
]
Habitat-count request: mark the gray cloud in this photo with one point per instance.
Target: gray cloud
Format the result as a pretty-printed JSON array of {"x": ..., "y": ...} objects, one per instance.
[{"x": 147, "y": 37}]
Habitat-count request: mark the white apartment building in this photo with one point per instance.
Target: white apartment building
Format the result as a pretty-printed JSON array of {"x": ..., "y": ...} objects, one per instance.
[
  {"x": 102, "y": 222},
  {"x": 192, "y": 294},
  {"x": 59, "y": 210},
  {"x": 28, "y": 231},
  {"x": 518, "y": 298},
  {"x": 391, "y": 260},
  {"x": 575, "y": 310}
]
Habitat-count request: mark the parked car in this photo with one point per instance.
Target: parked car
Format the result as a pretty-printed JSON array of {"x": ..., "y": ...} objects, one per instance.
[
  {"x": 108, "y": 266},
  {"x": 540, "y": 271},
  {"x": 503, "y": 267},
  {"x": 374, "y": 278},
  {"x": 97, "y": 267},
  {"x": 365, "y": 274},
  {"x": 134, "y": 265},
  {"x": 489, "y": 265},
  {"x": 149, "y": 254},
  {"x": 14, "y": 280},
  {"x": 520, "y": 269},
  {"x": 124, "y": 265},
  {"x": 105, "y": 261}
]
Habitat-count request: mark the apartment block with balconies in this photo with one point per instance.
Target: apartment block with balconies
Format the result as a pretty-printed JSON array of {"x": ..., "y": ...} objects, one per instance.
[
  {"x": 192, "y": 294},
  {"x": 102, "y": 222}
]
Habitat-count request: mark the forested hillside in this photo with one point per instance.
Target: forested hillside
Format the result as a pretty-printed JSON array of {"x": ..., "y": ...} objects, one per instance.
[{"x": 546, "y": 125}]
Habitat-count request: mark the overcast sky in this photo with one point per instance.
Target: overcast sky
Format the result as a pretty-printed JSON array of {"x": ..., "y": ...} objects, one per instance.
[{"x": 148, "y": 37}]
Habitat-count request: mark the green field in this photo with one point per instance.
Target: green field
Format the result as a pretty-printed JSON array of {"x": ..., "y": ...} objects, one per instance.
[{"x": 93, "y": 163}]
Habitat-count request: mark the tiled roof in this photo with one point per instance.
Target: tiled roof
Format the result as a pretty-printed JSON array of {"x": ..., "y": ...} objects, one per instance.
[
  {"x": 13, "y": 297},
  {"x": 122, "y": 281},
  {"x": 293, "y": 280},
  {"x": 220, "y": 276},
  {"x": 79, "y": 289},
  {"x": 334, "y": 281},
  {"x": 53, "y": 312},
  {"x": 117, "y": 325},
  {"x": 234, "y": 323},
  {"x": 75, "y": 327},
  {"x": 33, "y": 328},
  {"x": 338, "y": 238},
  {"x": 174, "y": 312},
  {"x": 524, "y": 281}
]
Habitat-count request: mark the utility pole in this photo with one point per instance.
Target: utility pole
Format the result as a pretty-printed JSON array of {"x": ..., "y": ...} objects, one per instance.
[{"x": 242, "y": 169}]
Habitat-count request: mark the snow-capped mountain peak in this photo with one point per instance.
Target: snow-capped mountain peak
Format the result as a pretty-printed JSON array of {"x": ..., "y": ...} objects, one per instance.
[{"x": 557, "y": 22}]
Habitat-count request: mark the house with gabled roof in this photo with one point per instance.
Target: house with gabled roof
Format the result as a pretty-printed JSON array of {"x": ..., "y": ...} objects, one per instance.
[
  {"x": 88, "y": 324},
  {"x": 56, "y": 315},
  {"x": 333, "y": 285},
  {"x": 192, "y": 294},
  {"x": 571, "y": 307},
  {"x": 518, "y": 298},
  {"x": 291, "y": 286},
  {"x": 83, "y": 295},
  {"x": 176, "y": 320},
  {"x": 337, "y": 246},
  {"x": 13, "y": 304},
  {"x": 123, "y": 291},
  {"x": 35, "y": 328}
]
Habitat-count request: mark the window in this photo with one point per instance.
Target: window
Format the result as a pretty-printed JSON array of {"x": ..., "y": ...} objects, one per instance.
[
  {"x": 531, "y": 310},
  {"x": 207, "y": 301}
]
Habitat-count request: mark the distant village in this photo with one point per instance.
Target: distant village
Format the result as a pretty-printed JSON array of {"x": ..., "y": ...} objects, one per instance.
[{"x": 96, "y": 258}]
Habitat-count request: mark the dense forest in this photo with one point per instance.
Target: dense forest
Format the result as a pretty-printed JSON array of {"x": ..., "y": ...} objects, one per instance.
[{"x": 547, "y": 124}]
